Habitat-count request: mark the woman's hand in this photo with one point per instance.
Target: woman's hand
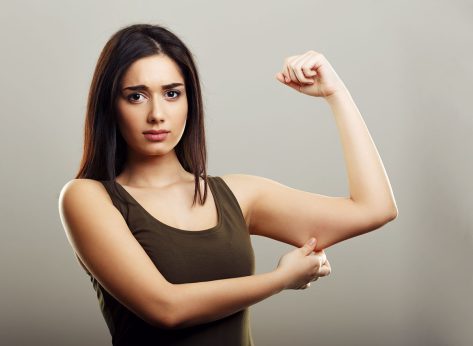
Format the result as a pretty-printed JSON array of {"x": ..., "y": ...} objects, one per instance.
[
  {"x": 301, "y": 266},
  {"x": 310, "y": 74}
]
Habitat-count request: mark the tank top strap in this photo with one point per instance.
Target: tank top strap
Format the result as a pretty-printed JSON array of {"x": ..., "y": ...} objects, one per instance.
[
  {"x": 120, "y": 201},
  {"x": 227, "y": 199}
]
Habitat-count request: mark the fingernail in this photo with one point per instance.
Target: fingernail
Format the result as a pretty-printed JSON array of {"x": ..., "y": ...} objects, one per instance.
[{"x": 312, "y": 241}]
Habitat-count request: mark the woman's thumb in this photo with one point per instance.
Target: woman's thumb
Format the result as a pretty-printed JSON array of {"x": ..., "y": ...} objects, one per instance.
[{"x": 310, "y": 245}]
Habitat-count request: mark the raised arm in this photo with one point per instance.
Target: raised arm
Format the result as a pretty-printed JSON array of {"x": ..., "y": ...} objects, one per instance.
[
  {"x": 105, "y": 246},
  {"x": 289, "y": 215},
  {"x": 369, "y": 185}
]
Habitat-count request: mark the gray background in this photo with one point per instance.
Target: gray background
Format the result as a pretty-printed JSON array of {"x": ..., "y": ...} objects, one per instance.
[{"x": 408, "y": 66}]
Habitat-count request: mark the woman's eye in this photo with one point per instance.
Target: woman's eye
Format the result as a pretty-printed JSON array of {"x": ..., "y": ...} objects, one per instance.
[
  {"x": 175, "y": 92},
  {"x": 131, "y": 97}
]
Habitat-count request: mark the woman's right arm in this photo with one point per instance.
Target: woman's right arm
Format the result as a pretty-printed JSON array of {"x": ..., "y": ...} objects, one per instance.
[
  {"x": 210, "y": 300},
  {"x": 103, "y": 242}
]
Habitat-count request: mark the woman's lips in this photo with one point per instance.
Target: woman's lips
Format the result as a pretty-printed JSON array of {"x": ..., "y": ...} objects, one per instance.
[{"x": 156, "y": 136}]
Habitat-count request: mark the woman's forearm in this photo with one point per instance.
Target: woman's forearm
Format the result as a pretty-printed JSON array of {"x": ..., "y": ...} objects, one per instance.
[
  {"x": 368, "y": 182},
  {"x": 200, "y": 302}
]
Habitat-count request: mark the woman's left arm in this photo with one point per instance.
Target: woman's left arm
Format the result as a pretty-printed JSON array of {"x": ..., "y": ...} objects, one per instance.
[{"x": 293, "y": 216}]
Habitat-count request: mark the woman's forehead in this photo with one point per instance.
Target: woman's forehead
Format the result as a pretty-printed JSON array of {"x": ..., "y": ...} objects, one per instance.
[{"x": 153, "y": 71}]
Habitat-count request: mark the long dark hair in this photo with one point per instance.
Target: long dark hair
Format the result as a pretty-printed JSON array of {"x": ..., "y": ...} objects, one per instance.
[{"x": 104, "y": 151}]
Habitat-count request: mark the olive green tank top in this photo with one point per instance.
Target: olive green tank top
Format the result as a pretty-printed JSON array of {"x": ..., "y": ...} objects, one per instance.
[{"x": 181, "y": 256}]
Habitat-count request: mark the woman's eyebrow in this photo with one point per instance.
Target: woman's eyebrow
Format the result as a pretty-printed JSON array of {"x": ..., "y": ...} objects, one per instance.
[{"x": 144, "y": 87}]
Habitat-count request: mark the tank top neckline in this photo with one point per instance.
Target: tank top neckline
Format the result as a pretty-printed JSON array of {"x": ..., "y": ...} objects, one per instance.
[{"x": 175, "y": 229}]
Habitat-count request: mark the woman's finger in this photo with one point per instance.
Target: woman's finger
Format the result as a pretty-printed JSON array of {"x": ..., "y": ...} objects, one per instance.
[
  {"x": 297, "y": 64},
  {"x": 280, "y": 77},
  {"x": 325, "y": 269},
  {"x": 288, "y": 73},
  {"x": 288, "y": 67},
  {"x": 321, "y": 258}
]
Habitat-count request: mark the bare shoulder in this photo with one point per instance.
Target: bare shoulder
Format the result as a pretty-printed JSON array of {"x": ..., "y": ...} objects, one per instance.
[
  {"x": 78, "y": 194},
  {"x": 81, "y": 189},
  {"x": 244, "y": 187}
]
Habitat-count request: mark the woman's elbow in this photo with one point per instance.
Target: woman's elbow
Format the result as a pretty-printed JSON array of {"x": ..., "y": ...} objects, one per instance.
[
  {"x": 164, "y": 322},
  {"x": 384, "y": 217},
  {"x": 391, "y": 214},
  {"x": 166, "y": 315}
]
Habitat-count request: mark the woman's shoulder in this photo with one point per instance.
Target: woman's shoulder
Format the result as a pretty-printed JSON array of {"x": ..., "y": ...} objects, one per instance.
[
  {"x": 247, "y": 188},
  {"x": 243, "y": 187},
  {"x": 81, "y": 183},
  {"x": 78, "y": 191},
  {"x": 242, "y": 183}
]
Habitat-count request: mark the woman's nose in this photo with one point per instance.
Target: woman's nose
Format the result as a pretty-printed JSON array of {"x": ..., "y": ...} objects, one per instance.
[{"x": 156, "y": 112}]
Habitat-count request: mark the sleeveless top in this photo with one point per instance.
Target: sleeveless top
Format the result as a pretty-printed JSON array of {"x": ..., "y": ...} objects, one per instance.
[{"x": 181, "y": 256}]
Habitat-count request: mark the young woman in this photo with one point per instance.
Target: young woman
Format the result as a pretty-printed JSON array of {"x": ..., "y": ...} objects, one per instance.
[{"x": 168, "y": 270}]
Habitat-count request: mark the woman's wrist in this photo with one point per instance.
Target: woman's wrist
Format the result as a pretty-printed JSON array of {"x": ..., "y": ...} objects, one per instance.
[
  {"x": 280, "y": 278},
  {"x": 340, "y": 95}
]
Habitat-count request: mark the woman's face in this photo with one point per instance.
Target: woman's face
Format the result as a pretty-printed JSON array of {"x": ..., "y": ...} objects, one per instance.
[{"x": 152, "y": 97}]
